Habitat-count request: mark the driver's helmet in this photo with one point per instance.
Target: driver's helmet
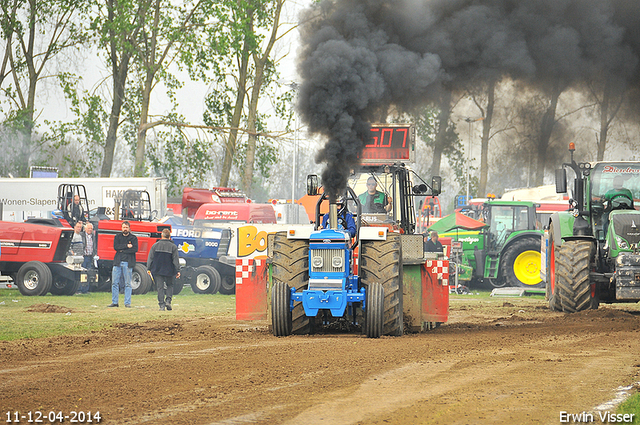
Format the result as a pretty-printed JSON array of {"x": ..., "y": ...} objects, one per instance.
[{"x": 342, "y": 204}]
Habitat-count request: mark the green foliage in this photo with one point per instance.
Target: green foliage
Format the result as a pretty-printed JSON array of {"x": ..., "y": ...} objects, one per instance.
[{"x": 184, "y": 161}]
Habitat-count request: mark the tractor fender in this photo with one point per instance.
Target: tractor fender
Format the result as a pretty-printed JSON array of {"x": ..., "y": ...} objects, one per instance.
[
  {"x": 526, "y": 234},
  {"x": 562, "y": 223}
]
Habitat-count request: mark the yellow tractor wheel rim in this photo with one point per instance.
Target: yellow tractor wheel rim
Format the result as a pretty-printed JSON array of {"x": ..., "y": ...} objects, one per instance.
[{"x": 526, "y": 267}]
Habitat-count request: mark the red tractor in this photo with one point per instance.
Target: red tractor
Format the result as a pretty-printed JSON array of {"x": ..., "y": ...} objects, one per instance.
[
  {"x": 34, "y": 254},
  {"x": 133, "y": 206}
]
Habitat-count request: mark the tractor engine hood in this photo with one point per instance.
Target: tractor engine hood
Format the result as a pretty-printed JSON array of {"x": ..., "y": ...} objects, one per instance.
[{"x": 625, "y": 228}]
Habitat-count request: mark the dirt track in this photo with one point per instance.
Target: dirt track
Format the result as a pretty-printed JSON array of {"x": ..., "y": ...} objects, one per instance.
[{"x": 508, "y": 361}]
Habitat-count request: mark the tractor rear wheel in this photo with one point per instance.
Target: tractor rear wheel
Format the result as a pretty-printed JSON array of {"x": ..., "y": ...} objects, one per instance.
[
  {"x": 206, "y": 280},
  {"x": 374, "y": 313},
  {"x": 62, "y": 286},
  {"x": 281, "y": 319},
  {"x": 521, "y": 262},
  {"x": 140, "y": 280},
  {"x": 34, "y": 278},
  {"x": 381, "y": 262},
  {"x": 290, "y": 266},
  {"x": 227, "y": 284},
  {"x": 178, "y": 285},
  {"x": 573, "y": 280}
]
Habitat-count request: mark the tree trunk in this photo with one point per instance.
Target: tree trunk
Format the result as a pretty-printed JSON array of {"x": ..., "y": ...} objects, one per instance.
[
  {"x": 230, "y": 148},
  {"x": 441, "y": 135},
  {"x": 138, "y": 170},
  {"x": 260, "y": 63},
  {"x": 119, "y": 81},
  {"x": 486, "y": 130},
  {"x": 546, "y": 128}
]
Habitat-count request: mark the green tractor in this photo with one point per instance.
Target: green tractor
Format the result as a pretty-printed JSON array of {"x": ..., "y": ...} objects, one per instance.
[
  {"x": 506, "y": 250},
  {"x": 590, "y": 253}
]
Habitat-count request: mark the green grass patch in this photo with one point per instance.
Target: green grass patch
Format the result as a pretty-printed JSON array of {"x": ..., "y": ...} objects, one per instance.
[
  {"x": 485, "y": 294},
  {"x": 631, "y": 406},
  {"x": 81, "y": 313}
]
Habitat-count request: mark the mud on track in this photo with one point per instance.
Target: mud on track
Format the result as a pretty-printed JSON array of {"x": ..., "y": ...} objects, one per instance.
[{"x": 506, "y": 361}]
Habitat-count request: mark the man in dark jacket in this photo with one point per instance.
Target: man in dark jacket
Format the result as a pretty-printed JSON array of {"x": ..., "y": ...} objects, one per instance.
[
  {"x": 163, "y": 264},
  {"x": 433, "y": 244},
  {"x": 126, "y": 245}
]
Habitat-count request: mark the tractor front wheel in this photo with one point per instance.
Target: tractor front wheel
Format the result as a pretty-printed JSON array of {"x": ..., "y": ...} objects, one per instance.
[
  {"x": 374, "y": 314},
  {"x": 34, "y": 278},
  {"x": 572, "y": 279},
  {"x": 290, "y": 266},
  {"x": 281, "y": 311},
  {"x": 381, "y": 262}
]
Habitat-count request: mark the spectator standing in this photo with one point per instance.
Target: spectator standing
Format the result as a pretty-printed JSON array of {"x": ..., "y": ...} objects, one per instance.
[
  {"x": 90, "y": 250},
  {"x": 126, "y": 245},
  {"x": 77, "y": 247},
  {"x": 163, "y": 264},
  {"x": 433, "y": 244}
]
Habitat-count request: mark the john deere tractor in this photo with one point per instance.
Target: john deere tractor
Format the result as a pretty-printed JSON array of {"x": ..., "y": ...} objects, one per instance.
[{"x": 590, "y": 253}]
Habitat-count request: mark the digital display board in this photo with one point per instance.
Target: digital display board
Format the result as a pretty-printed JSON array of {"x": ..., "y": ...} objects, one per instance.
[{"x": 389, "y": 143}]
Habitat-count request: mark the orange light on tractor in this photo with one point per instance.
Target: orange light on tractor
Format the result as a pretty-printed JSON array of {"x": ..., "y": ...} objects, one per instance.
[
  {"x": 491, "y": 195},
  {"x": 292, "y": 232},
  {"x": 381, "y": 233},
  {"x": 572, "y": 146}
]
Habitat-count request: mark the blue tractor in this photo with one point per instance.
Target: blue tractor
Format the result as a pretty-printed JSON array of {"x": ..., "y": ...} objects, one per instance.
[
  {"x": 315, "y": 284},
  {"x": 203, "y": 247}
]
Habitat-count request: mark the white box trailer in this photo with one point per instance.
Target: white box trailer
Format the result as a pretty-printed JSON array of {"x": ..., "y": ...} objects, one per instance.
[{"x": 22, "y": 198}]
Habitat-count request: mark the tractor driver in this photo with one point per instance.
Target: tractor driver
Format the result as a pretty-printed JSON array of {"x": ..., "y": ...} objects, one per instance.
[
  {"x": 617, "y": 198},
  {"x": 373, "y": 201},
  {"x": 345, "y": 218}
]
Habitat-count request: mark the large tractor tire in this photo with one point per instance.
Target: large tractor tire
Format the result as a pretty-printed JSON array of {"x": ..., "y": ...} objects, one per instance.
[
  {"x": 521, "y": 264},
  {"x": 381, "y": 262},
  {"x": 61, "y": 286},
  {"x": 281, "y": 319},
  {"x": 141, "y": 282},
  {"x": 290, "y": 266},
  {"x": 227, "y": 284},
  {"x": 34, "y": 278},
  {"x": 552, "y": 290},
  {"x": 573, "y": 278},
  {"x": 206, "y": 280},
  {"x": 374, "y": 313}
]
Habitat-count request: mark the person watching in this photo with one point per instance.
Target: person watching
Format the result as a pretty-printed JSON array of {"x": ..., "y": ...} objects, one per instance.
[
  {"x": 433, "y": 244},
  {"x": 373, "y": 201}
]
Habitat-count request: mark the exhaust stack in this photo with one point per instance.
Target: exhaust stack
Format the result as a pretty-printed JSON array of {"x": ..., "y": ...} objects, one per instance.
[{"x": 333, "y": 215}]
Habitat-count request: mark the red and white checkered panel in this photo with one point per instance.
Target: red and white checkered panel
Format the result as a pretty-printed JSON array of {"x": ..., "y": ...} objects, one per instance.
[
  {"x": 245, "y": 267},
  {"x": 439, "y": 268}
]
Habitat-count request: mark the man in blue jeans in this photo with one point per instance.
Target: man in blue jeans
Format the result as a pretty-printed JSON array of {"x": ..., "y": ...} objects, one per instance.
[{"x": 126, "y": 245}]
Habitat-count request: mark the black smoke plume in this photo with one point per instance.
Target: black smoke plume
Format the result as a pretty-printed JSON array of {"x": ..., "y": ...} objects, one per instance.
[{"x": 359, "y": 58}]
